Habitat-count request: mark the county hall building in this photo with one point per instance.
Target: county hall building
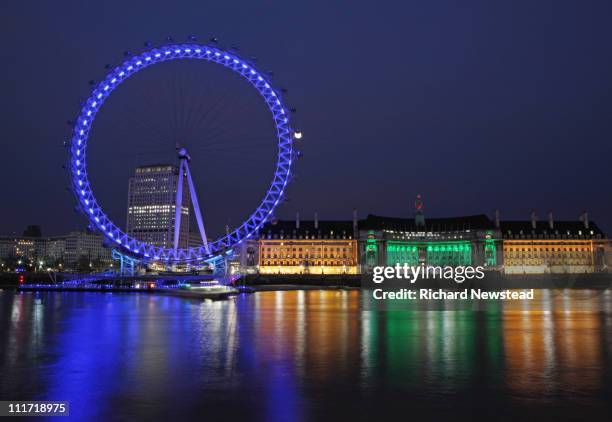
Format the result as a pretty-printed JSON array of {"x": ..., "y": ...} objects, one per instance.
[
  {"x": 356, "y": 246},
  {"x": 542, "y": 247},
  {"x": 308, "y": 247},
  {"x": 455, "y": 241}
]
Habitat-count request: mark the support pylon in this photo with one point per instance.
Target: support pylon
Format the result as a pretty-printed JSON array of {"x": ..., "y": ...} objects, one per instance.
[{"x": 184, "y": 159}]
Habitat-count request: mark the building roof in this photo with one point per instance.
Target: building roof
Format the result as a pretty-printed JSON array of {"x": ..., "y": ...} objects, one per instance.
[
  {"x": 563, "y": 228},
  {"x": 326, "y": 229},
  {"x": 470, "y": 222},
  {"x": 156, "y": 168},
  {"x": 15, "y": 238}
]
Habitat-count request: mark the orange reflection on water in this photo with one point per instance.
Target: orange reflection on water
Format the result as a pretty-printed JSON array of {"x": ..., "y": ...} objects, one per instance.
[
  {"x": 554, "y": 341},
  {"x": 312, "y": 327}
]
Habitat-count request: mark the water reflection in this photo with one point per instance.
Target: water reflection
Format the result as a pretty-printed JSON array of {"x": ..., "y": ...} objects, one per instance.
[
  {"x": 557, "y": 346},
  {"x": 283, "y": 355}
]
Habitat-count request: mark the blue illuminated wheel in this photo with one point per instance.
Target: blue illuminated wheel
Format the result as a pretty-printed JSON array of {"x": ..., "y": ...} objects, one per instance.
[{"x": 101, "y": 92}]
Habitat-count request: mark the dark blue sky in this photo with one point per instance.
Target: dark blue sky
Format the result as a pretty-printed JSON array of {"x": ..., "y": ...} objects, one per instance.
[{"x": 477, "y": 105}]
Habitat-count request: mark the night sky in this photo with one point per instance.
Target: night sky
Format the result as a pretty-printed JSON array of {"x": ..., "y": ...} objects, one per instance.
[{"x": 476, "y": 105}]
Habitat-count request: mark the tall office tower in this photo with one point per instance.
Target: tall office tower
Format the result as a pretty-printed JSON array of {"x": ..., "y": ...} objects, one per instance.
[{"x": 151, "y": 206}]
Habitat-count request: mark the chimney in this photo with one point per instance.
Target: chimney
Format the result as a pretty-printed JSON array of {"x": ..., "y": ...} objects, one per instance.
[
  {"x": 316, "y": 221},
  {"x": 533, "y": 220},
  {"x": 355, "y": 220},
  {"x": 297, "y": 220},
  {"x": 551, "y": 224},
  {"x": 585, "y": 220},
  {"x": 497, "y": 219}
]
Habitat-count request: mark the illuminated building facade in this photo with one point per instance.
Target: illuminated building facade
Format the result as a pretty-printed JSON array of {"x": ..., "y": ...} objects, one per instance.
[
  {"x": 7, "y": 247},
  {"x": 82, "y": 244},
  {"x": 541, "y": 247},
  {"x": 246, "y": 259},
  {"x": 456, "y": 241},
  {"x": 27, "y": 248},
  {"x": 151, "y": 206},
  {"x": 23, "y": 247},
  {"x": 308, "y": 247},
  {"x": 55, "y": 248},
  {"x": 58, "y": 250}
]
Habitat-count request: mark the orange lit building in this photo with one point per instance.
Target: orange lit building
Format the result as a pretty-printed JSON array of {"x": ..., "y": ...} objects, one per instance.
[
  {"x": 308, "y": 247},
  {"x": 352, "y": 247},
  {"x": 535, "y": 247}
]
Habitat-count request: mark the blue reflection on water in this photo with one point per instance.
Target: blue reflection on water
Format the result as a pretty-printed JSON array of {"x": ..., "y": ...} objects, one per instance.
[{"x": 303, "y": 355}]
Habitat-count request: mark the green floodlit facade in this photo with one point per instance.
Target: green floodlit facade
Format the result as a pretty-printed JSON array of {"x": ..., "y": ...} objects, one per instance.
[
  {"x": 371, "y": 252},
  {"x": 454, "y": 253},
  {"x": 490, "y": 251},
  {"x": 456, "y": 241}
]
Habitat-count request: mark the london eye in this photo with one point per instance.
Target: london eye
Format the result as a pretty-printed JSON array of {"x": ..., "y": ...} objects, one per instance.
[{"x": 205, "y": 250}]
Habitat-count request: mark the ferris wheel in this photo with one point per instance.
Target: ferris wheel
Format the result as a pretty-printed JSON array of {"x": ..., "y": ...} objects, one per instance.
[{"x": 206, "y": 250}]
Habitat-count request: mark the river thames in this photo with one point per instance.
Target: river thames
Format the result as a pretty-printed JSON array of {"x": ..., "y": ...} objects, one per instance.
[{"x": 303, "y": 355}]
